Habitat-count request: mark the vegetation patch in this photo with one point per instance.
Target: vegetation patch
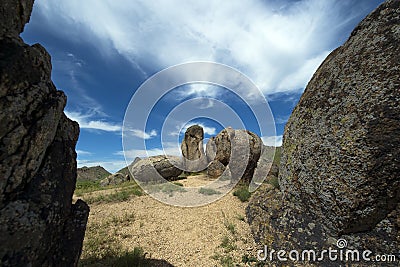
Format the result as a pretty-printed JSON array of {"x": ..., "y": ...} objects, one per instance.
[
  {"x": 242, "y": 192},
  {"x": 118, "y": 196},
  {"x": 208, "y": 191},
  {"x": 273, "y": 180},
  {"x": 167, "y": 188}
]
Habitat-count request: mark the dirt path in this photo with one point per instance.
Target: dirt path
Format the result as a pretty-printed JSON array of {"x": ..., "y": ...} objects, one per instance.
[{"x": 202, "y": 236}]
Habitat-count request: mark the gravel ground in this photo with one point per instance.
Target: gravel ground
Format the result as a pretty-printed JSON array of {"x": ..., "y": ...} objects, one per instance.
[{"x": 180, "y": 236}]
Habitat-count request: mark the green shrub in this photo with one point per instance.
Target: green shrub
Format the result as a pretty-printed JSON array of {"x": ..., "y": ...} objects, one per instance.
[
  {"x": 242, "y": 192},
  {"x": 208, "y": 191},
  {"x": 227, "y": 244},
  {"x": 274, "y": 182},
  {"x": 230, "y": 227}
]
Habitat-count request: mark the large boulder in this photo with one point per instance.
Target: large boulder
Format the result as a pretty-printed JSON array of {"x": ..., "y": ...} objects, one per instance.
[
  {"x": 340, "y": 166},
  {"x": 215, "y": 169},
  {"x": 211, "y": 149},
  {"x": 39, "y": 225},
  {"x": 240, "y": 150},
  {"x": 194, "y": 158},
  {"x": 157, "y": 168}
]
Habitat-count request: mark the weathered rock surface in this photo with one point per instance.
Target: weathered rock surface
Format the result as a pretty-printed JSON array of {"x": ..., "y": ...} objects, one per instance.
[
  {"x": 215, "y": 169},
  {"x": 340, "y": 163},
  {"x": 39, "y": 225},
  {"x": 115, "y": 179},
  {"x": 194, "y": 158},
  {"x": 92, "y": 173},
  {"x": 150, "y": 169},
  {"x": 211, "y": 149},
  {"x": 13, "y": 16},
  {"x": 240, "y": 149}
]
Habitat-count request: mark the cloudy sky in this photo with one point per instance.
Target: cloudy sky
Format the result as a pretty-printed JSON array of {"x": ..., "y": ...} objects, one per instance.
[{"x": 103, "y": 50}]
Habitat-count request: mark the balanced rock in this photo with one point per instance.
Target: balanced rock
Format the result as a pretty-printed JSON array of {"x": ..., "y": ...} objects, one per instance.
[
  {"x": 39, "y": 225},
  {"x": 240, "y": 149},
  {"x": 157, "y": 168},
  {"x": 340, "y": 165},
  {"x": 194, "y": 158}
]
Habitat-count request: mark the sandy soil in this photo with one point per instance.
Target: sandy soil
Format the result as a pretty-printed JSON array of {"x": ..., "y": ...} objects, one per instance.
[{"x": 181, "y": 236}]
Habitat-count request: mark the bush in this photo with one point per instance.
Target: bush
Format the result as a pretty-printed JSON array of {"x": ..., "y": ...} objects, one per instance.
[
  {"x": 208, "y": 191},
  {"x": 274, "y": 182},
  {"x": 242, "y": 192}
]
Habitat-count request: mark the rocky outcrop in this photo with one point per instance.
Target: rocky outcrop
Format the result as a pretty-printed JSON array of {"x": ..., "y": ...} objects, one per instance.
[
  {"x": 240, "y": 150},
  {"x": 115, "y": 179},
  {"x": 215, "y": 169},
  {"x": 194, "y": 159},
  {"x": 211, "y": 149},
  {"x": 39, "y": 225},
  {"x": 340, "y": 166},
  {"x": 92, "y": 173},
  {"x": 156, "y": 168}
]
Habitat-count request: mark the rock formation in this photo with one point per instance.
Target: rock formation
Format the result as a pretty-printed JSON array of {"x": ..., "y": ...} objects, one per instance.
[
  {"x": 211, "y": 149},
  {"x": 194, "y": 159},
  {"x": 340, "y": 166},
  {"x": 215, "y": 169},
  {"x": 240, "y": 150},
  {"x": 150, "y": 169},
  {"x": 39, "y": 225}
]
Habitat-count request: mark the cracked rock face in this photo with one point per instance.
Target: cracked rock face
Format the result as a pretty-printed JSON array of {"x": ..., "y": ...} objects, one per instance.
[
  {"x": 39, "y": 225},
  {"x": 194, "y": 157},
  {"x": 238, "y": 149},
  {"x": 340, "y": 165}
]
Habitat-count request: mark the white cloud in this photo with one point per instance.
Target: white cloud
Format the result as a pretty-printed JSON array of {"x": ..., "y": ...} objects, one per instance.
[
  {"x": 142, "y": 134},
  {"x": 86, "y": 122},
  {"x": 182, "y": 129},
  {"x": 278, "y": 44},
  {"x": 169, "y": 148},
  {"x": 281, "y": 119},
  {"x": 272, "y": 140},
  {"x": 198, "y": 90},
  {"x": 83, "y": 153}
]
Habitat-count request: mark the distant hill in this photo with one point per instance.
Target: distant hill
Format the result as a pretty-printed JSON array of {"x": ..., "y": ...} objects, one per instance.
[{"x": 92, "y": 173}]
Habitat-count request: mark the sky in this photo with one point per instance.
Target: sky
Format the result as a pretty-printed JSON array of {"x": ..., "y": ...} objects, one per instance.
[{"x": 103, "y": 51}]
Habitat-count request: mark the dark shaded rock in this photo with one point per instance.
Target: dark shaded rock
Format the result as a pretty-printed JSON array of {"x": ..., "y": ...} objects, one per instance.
[
  {"x": 115, "y": 179},
  {"x": 92, "y": 173},
  {"x": 215, "y": 169},
  {"x": 340, "y": 160},
  {"x": 39, "y": 225},
  {"x": 13, "y": 16},
  {"x": 155, "y": 168},
  {"x": 194, "y": 159},
  {"x": 240, "y": 150}
]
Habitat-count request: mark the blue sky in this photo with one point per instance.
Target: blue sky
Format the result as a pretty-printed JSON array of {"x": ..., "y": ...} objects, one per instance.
[{"x": 102, "y": 51}]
